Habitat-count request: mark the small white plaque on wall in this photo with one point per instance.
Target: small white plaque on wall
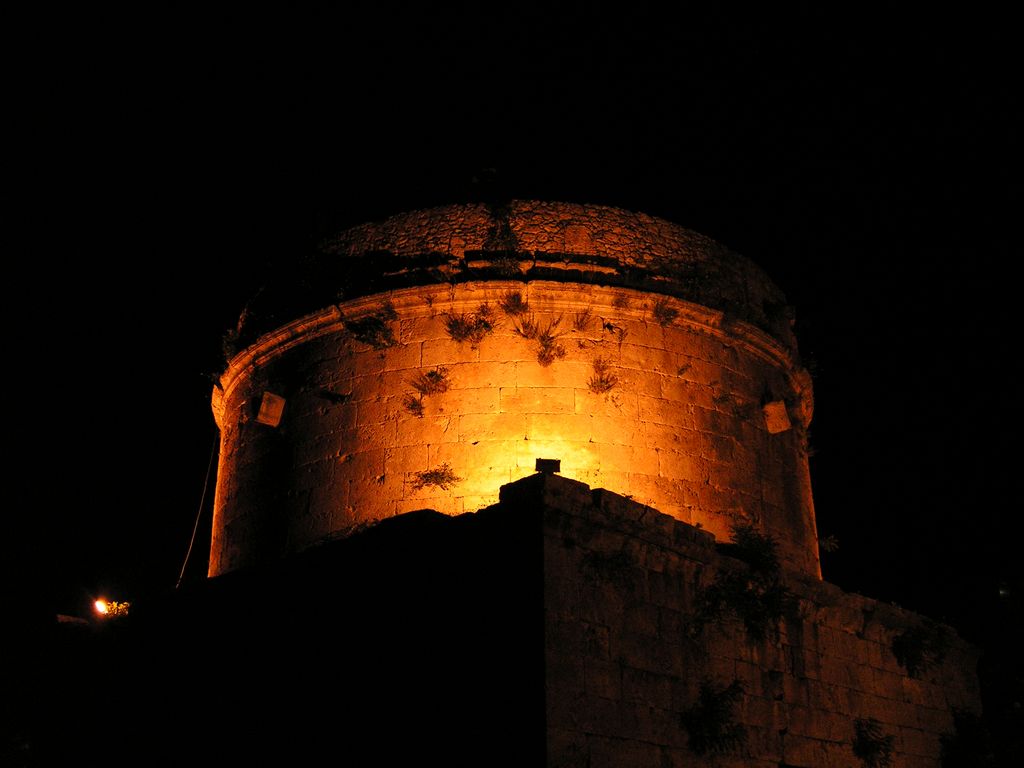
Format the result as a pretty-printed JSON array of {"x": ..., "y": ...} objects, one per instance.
[
  {"x": 271, "y": 408},
  {"x": 776, "y": 419}
]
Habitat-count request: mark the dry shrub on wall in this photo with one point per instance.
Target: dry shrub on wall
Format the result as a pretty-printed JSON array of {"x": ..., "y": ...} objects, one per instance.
[
  {"x": 442, "y": 477},
  {"x": 471, "y": 327},
  {"x": 871, "y": 745},
  {"x": 602, "y": 380},
  {"x": 513, "y": 304},
  {"x": 664, "y": 314},
  {"x": 756, "y": 596},
  {"x": 710, "y": 723},
  {"x": 431, "y": 382},
  {"x": 374, "y": 329}
]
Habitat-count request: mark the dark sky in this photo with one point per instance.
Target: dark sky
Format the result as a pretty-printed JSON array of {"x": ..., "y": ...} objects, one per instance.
[{"x": 869, "y": 164}]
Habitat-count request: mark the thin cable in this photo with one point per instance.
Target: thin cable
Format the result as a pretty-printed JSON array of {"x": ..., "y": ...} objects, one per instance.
[{"x": 199, "y": 514}]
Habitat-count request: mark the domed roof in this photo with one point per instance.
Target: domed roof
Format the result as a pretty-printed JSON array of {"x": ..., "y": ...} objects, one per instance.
[{"x": 525, "y": 240}]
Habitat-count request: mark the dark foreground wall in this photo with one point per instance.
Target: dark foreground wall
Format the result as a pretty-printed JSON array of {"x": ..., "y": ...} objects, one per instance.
[
  {"x": 557, "y": 627},
  {"x": 627, "y": 657},
  {"x": 420, "y": 638}
]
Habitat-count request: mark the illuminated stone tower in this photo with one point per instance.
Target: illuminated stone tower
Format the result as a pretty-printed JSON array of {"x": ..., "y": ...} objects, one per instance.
[{"x": 426, "y": 360}]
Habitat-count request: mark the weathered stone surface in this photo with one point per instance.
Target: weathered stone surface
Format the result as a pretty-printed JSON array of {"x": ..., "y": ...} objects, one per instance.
[
  {"x": 614, "y": 578},
  {"x": 674, "y": 420}
]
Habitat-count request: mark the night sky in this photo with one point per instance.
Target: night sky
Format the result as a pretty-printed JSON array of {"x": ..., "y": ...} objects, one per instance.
[{"x": 870, "y": 165}]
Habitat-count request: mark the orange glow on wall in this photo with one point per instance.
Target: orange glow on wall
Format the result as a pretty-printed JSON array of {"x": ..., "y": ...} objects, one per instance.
[{"x": 436, "y": 396}]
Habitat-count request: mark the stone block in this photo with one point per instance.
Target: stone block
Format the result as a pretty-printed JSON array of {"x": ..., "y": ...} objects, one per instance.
[
  {"x": 561, "y": 373},
  {"x": 802, "y": 751},
  {"x": 620, "y": 403},
  {"x": 464, "y": 401},
  {"x": 537, "y": 400},
  {"x": 617, "y": 752},
  {"x": 484, "y": 374},
  {"x": 426, "y": 430},
  {"x": 642, "y": 619},
  {"x": 602, "y": 678},
  {"x": 648, "y": 688},
  {"x": 660, "y": 410},
  {"x": 435, "y": 352},
  {"x": 557, "y": 426}
]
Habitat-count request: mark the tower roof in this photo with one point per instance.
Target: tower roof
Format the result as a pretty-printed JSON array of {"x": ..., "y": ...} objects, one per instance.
[{"x": 527, "y": 240}]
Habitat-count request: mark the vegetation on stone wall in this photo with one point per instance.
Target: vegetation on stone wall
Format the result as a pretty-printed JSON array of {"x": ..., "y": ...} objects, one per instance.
[
  {"x": 431, "y": 382},
  {"x": 756, "y": 596},
  {"x": 513, "y": 304},
  {"x": 471, "y": 327},
  {"x": 920, "y": 648},
  {"x": 619, "y": 332},
  {"x": 441, "y": 477},
  {"x": 425, "y": 383},
  {"x": 546, "y": 336},
  {"x": 374, "y": 329},
  {"x": 613, "y": 568},
  {"x": 413, "y": 404},
  {"x": 871, "y": 745},
  {"x": 602, "y": 380},
  {"x": 664, "y": 313},
  {"x": 711, "y": 723},
  {"x": 548, "y": 348},
  {"x": 829, "y": 543},
  {"x": 581, "y": 319}
]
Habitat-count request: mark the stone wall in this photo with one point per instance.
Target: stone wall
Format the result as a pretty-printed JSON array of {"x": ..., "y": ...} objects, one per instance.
[
  {"x": 525, "y": 240},
  {"x": 625, "y": 661},
  {"x": 676, "y": 418}
]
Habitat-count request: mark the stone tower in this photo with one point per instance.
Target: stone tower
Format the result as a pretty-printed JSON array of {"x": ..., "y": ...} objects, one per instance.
[{"x": 427, "y": 360}]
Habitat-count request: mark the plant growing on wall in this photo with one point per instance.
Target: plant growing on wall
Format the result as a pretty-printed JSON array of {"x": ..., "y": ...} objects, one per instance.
[
  {"x": 525, "y": 326},
  {"x": 471, "y": 327},
  {"x": 546, "y": 337},
  {"x": 870, "y": 743},
  {"x": 615, "y": 568},
  {"x": 756, "y": 596},
  {"x": 581, "y": 319},
  {"x": 513, "y": 304},
  {"x": 920, "y": 648},
  {"x": 441, "y": 477},
  {"x": 374, "y": 329},
  {"x": 548, "y": 348},
  {"x": 710, "y": 723},
  {"x": 602, "y": 380},
  {"x": 431, "y": 382},
  {"x": 413, "y": 404},
  {"x": 664, "y": 314},
  {"x": 506, "y": 266},
  {"x": 425, "y": 383},
  {"x": 620, "y": 332}
]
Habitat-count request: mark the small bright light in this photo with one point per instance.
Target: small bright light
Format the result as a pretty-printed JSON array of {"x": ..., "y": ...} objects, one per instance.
[{"x": 111, "y": 609}]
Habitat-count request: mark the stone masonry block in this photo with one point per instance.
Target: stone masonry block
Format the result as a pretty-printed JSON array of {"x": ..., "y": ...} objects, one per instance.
[
  {"x": 434, "y": 352},
  {"x": 558, "y": 426},
  {"x": 561, "y": 373},
  {"x": 617, "y": 404},
  {"x": 641, "y": 382},
  {"x": 491, "y": 426},
  {"x": 661, "y": 410},
  {"x": 537, "y": 400}
]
